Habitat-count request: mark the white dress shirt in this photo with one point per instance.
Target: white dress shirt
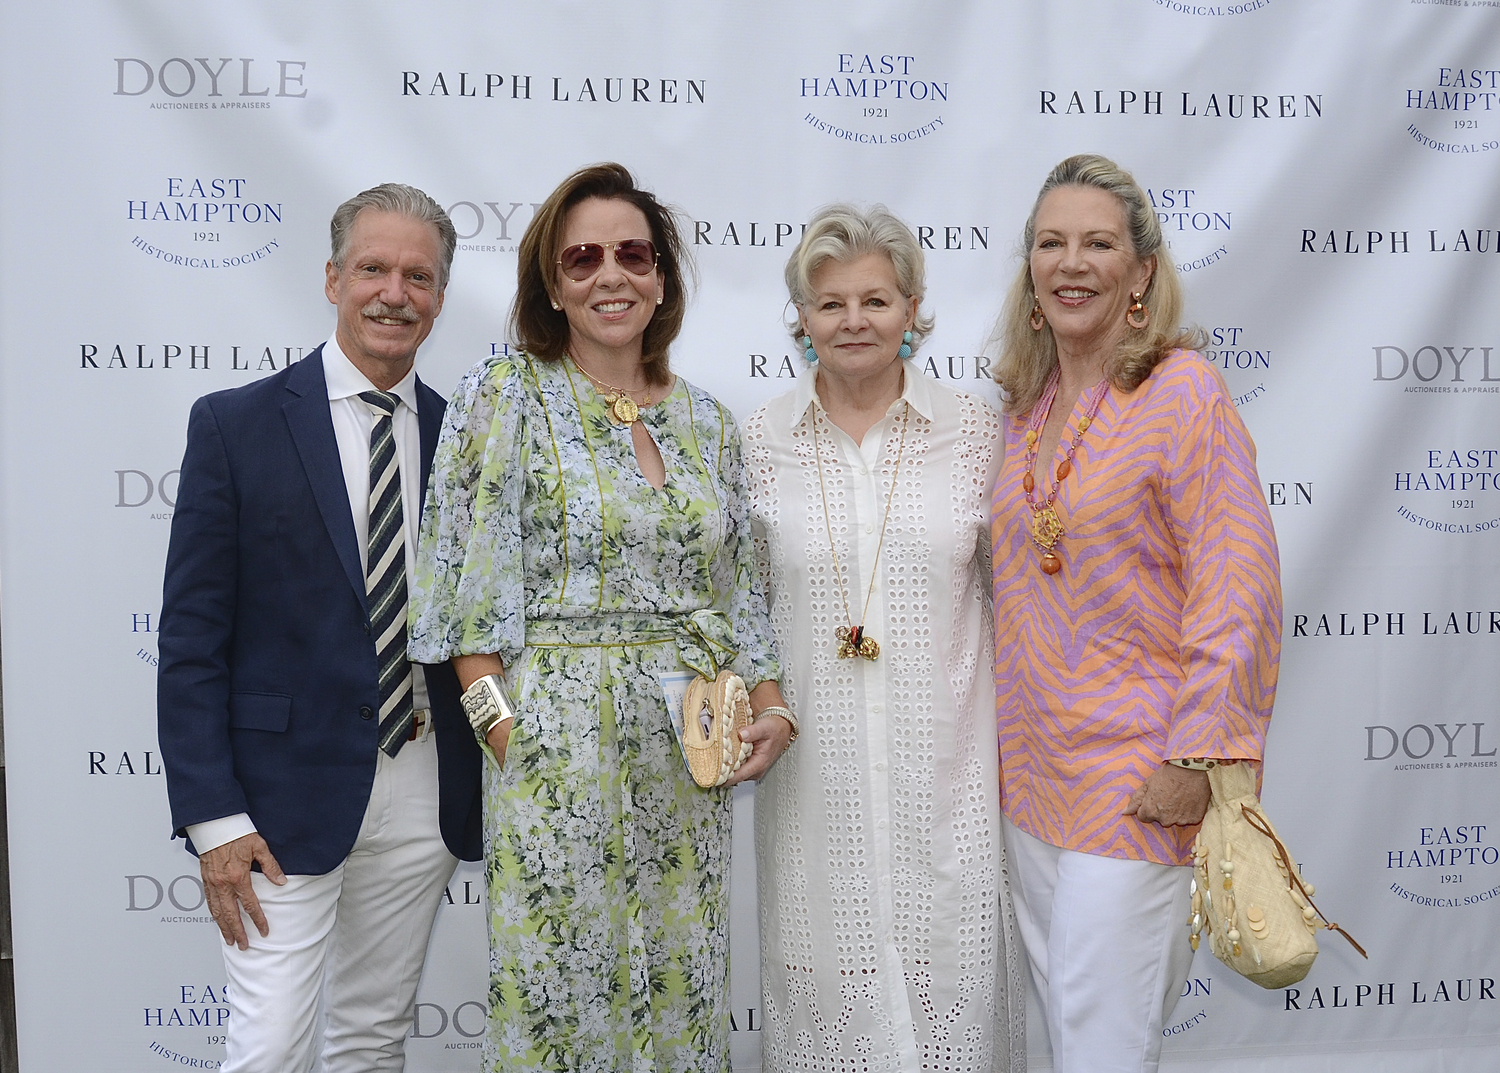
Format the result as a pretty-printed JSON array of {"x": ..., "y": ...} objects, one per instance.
[{"x": 352, "y": 422}]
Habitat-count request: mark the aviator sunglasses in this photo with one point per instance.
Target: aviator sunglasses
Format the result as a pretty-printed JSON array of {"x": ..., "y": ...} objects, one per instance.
[{"x": 635, "y": 255}]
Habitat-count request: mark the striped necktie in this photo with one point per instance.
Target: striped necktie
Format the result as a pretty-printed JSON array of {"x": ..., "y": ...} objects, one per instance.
[{"x": 385, "y": 576}]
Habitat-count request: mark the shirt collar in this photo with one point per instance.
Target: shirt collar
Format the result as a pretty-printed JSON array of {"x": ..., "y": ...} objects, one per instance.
[
  {"x": 915, "y": 390},
  {"x": 345, "y": 381}
]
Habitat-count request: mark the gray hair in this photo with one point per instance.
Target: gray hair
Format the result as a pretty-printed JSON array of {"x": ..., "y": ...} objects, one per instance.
[
  {"x": 404, "y": 200},
  {"x": 843, "y": 233}
]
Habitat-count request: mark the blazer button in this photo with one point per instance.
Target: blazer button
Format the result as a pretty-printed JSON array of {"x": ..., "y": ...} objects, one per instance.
[{"x": 366, "y": 712}]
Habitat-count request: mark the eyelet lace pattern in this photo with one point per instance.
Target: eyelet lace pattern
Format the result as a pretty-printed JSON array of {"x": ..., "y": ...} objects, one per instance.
[{"x": 887, "y": 938}]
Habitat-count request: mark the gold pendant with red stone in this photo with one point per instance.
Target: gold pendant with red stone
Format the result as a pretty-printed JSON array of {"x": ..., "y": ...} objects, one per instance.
[
  {"x": 1046, "y": 526},
  {"x": 1046, "y": 530},
  {"x": 853, "y": 641}
]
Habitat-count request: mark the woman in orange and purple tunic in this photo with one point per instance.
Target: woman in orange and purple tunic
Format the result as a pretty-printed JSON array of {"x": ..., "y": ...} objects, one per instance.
[{"x": 1138, "y": 612}]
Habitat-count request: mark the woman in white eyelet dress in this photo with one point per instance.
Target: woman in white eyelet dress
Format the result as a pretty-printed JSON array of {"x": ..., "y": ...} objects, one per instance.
[{"x": 887, "y": 937}]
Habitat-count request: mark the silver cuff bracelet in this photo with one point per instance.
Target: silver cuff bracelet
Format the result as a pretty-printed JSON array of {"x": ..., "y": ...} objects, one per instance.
[{"x": 487, "y": 704}]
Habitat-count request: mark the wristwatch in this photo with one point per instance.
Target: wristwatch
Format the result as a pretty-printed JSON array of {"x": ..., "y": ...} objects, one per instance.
[{"x": 785, "y": 713}]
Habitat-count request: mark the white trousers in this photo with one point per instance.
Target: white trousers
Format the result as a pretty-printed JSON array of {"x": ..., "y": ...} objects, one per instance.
[
  {"x": 348, "y": 945},
  {"x": 1108, "y": 944}
]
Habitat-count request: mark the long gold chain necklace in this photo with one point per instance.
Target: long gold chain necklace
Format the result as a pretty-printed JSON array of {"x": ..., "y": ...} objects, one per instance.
[
  {"x": 1046, "y": 527},
  {"x": 622, "y": 409},
  {"x": 852, "y": 639}
]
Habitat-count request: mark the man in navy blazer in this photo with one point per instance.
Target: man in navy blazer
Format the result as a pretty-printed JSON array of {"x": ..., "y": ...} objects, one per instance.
[{"x": 327, "y": 785}]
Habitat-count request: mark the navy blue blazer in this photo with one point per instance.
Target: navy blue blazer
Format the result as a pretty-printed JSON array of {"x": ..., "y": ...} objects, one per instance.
[{"x": 267, "y": 692}]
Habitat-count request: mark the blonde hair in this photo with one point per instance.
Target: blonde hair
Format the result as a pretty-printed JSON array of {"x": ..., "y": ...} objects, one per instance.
[
  {"x": 842, "y": 233},
  {"x": 1029, "y": 357}
]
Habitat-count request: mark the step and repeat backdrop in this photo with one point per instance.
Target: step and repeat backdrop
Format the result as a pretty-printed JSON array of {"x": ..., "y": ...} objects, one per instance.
[{"x": 1328, "y": 177}]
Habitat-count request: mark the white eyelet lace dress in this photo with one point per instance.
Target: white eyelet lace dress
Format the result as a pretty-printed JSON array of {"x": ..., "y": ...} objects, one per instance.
[{"x": 888, "y": 941}]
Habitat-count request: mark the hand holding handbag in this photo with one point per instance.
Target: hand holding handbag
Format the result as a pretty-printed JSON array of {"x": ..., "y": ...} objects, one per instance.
[
  {"x": 1247, "y": 893},
  {"x": 713, "y": 714}
]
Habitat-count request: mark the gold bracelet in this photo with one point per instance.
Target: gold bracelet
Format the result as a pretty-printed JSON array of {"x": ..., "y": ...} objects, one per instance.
[
  {"x": 487, "y": 704},
  {"x": 785, "y": 713}
]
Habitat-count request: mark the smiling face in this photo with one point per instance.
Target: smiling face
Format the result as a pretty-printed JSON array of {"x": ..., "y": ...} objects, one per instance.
[
  {"x": 608, "y": 312},
  {"x": 856, "y": 315},
  {"x": 387, "y": 293},
  {"x": 1084, "y": 269}
]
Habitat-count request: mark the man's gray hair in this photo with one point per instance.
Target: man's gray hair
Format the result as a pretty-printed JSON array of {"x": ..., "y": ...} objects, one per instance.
[{"x": 402, "y": 199}]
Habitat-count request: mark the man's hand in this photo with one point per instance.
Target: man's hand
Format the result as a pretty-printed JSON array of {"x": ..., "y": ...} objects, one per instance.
[
  {"x": 768, "y": 738},
  {"x": 1171, "y": 797},
  {"x": 226, "y": 885}
]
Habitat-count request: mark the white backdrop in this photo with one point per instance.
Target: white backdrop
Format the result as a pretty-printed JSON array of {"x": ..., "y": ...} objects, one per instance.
[{"x": 1329, "y": 178}]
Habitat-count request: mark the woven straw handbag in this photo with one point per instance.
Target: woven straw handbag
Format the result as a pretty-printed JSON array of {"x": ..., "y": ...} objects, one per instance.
[
  {"x": 712, "y": 715},
  {"x": 1247, "y": 893}
]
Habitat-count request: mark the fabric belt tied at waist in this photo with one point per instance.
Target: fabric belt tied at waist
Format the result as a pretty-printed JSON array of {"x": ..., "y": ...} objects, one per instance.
[{"x": 704, "y": 639}]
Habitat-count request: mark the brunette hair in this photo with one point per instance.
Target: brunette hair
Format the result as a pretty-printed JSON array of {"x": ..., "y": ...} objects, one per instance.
[
  {"x": 1028, "y": 357},
  {"x": 541, "y": 330}
]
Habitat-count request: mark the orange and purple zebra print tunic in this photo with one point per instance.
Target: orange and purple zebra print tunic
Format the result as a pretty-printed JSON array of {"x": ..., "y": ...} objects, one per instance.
[{"x": 1161, "y": 635}]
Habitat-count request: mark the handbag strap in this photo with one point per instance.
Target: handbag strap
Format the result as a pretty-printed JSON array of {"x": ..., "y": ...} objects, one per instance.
[{"x": 1254, "y": 818}]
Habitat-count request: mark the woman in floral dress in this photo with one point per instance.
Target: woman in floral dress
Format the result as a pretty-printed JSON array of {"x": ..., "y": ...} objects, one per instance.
[{"x": 587, "y": 531}]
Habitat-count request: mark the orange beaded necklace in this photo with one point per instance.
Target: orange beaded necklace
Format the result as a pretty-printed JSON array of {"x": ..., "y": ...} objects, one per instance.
[{"x": 1046, "y": 527}]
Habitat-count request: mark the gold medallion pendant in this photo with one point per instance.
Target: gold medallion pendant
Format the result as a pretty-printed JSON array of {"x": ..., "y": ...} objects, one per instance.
[
  {"x": 622, "y": 409},
  {"x": 1046, "y": 527}
]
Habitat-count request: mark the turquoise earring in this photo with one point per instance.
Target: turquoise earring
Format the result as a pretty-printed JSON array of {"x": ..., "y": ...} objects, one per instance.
[
  {"x": 809, "y": 355},
  {"x": 905, "y": 351}
]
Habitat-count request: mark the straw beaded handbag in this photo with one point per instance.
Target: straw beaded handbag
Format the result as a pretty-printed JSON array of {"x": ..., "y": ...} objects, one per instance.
[
  {"x": 713, "y": 713},
  {"x": 1247, "y": 893}
]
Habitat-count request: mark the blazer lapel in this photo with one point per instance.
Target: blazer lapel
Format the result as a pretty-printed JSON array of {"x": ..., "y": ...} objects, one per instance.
[
  {"x": 311, "y": 424},
  {"x": 430, "y": 407}
]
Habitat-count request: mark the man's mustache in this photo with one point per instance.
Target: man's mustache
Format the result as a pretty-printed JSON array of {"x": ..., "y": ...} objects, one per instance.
[{"x": 377, "y": 308}]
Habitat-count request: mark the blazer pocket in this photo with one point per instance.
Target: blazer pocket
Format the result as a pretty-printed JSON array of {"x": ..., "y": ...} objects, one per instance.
[{"x": 260, "y": 711}]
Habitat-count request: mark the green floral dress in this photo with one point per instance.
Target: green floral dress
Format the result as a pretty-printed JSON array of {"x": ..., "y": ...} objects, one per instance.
[{"x": 543, "y": 543}]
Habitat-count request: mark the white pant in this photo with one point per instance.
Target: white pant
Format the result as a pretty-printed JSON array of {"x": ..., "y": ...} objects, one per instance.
[
  {"x": 1108, "y": 944},
  {"x": 349, "y": 944}
]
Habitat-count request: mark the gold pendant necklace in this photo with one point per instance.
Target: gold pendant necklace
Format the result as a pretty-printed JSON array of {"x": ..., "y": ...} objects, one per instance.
[
  {"x": 1046, "y": 527},
  {"x": 852, "y": 639},
  {"x": 622, "y": 409},
  {"x": 618, "y": 404}
]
